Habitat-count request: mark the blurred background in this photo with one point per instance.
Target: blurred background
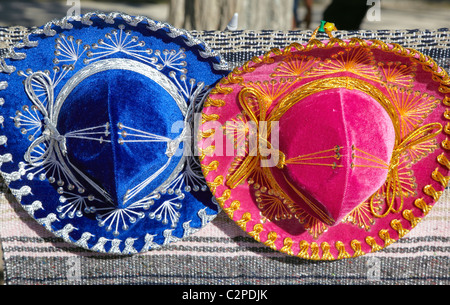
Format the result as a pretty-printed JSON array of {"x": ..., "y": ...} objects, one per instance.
[{"x": 253, "y": 14}]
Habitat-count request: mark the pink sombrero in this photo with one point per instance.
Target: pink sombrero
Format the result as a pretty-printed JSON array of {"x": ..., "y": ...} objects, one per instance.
[{"x": 329, "y": 150}]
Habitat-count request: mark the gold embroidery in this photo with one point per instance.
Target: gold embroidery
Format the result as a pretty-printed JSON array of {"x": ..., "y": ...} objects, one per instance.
[
  {"x": 312, "y": 225},
  {"x": 238, "y": 131},
  {"x": 234, "y": 78},
  {"x": 317, "y": 156},
  {"x": 359, "y": 61},
  {"x": 220, "y": 89},
  {"x": 287, "y": 248},
  {"x": 234, "y": 206},
  {"x": 372, "y": 243},
  {"x": 270, "y": 242},
  {"x": 361, "y": 217},
  {"x": 320, "y": 213},
  {"x": 412, "y": 106},
  {"x": 447, "y": 114},
  {"x": 394, "y": 186},
  {"x": 431, "y": 191},
  {"x": 257, "y": 229},
  {"x": 209, "y": 118},
  {"x": 315, "y": 251},
  {"x": 213, "y": 166},
  {"x": 209, "y": 151},
  {"x": 272, "y": 206},
  {"x": 225, "y": 196},
  {"x": 421, "y": 204},
  {"x": 397, "y": 226},
  {"x": 213, "y": 185},
  {"x": 304, "y": 247},
  {"x": 356, "y": 246},
  {"x": 409, "y": 215},
  {"x": 326, "y": 253},
  {"x": 442, "y": 159},
  {"x": 447, "y": 129},
  {"x": 421, "y": 150},
  {"x": 437, "y": 176},
  {"x": 384, "y": 235},
  {"x": 446, "y": 101},
  {"x": 214, "y": 103},
  {"x": 270, "y": 91},
  {"x": 295, "y": 66},
  {"x": 207, "y": 134},
  {"x": 398, "y": 73},
  {"x": 243, "y": 222},
  {"x": 446, "y": 144},
  {"x": 343, "y": 254},
  {"x": 379, "y": 163}
]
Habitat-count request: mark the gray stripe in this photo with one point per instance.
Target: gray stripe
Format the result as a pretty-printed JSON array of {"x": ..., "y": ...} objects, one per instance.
[
  {"x": 223, "y": 240},
  {"x": 176, "y": 269}
]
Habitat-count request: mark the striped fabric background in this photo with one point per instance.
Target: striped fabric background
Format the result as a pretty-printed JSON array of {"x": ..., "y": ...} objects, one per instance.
[{"x": 222, "y": 253}]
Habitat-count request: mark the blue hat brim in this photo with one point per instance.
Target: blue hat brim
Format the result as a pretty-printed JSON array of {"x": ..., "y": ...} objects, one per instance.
[{"x": 163, "y": 77}]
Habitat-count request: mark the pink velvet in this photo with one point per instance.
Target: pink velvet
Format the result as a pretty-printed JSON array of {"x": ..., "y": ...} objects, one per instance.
[
  {"x": 322, "y": 121},
  {"x": 305, "y": 128}
]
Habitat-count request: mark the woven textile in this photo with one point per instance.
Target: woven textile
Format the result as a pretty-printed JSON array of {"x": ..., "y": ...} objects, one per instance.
[{"x": 222, "y": 253}]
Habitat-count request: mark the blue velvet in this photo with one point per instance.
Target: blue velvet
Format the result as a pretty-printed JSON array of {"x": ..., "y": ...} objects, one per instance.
[
  {"x": 122, "y": 97},
  {"x": 114, "y": 96}
]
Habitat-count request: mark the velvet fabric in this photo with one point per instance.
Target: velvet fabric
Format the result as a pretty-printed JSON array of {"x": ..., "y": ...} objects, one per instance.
[
  {"x": 120, "y": 96},
  {"x": 122, "y": 123},
  {"x": 383, "y": 105},
  {"x": 321, "y": 122}
]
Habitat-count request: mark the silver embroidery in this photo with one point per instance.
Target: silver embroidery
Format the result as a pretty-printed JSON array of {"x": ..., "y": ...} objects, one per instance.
[
  {"x": 121, "y": 64},
  {"x": 31, "y": 120},
  {"x": 32, "y": 208}
]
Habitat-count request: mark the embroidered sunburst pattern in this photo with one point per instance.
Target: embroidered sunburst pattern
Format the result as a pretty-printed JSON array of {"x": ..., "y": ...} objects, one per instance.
[
  {"x": 122, "y": 41},
  {"x": 270, "y": 91},
  {"x": 68, "y": 50},
  {"x": 359, "y": 61},
  {"x": 312, "y": 225},
  {"x": 237, "y": 130},
  {"x": 295, "y": 66},
  {"x": 361, "y": 216},
  {"x": 397, "y": 73},
  {"x": 413, "y": 107},
  {"x": 272, "y": 206}
]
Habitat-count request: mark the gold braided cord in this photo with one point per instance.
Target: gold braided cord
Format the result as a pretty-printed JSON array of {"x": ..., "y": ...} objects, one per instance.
[
  {"x": 333, "y": 83},
  {"x": 428, "y": 64},
  {"x": 321, "y": 214},
  {"x": 394, "y": 186},
  {"x": 247, "y": 98}
]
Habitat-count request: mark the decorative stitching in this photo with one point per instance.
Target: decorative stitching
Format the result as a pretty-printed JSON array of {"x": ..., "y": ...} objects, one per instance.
[
  {"x": 68, "y": 52},
  {"x": 394, "y": 73}
]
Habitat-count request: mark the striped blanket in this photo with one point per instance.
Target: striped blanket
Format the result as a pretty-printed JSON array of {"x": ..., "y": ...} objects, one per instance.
[{"x": 222, "y": 253}]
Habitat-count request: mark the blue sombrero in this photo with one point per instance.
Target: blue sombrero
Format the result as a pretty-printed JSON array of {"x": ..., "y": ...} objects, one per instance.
[{"x": 96, "y": 140}]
